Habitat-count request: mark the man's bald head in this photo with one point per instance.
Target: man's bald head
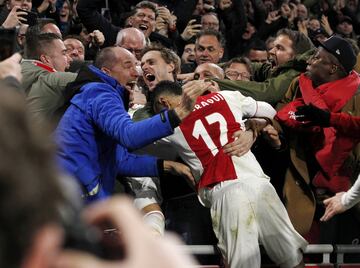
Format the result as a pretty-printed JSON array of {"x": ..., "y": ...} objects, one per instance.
[
  {"x": 209, "y": 70},
  {"x": 118, "y": 63},
  {"x": 108, "y": 56}
]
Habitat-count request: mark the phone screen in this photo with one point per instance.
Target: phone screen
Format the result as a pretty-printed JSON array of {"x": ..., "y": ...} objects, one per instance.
[{"x": 8, "y": 43}]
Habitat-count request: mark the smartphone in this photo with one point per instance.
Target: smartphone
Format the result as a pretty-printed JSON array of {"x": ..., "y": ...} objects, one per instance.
[
  {"x": 8, "y": 43},
  {"x": 31, "y": 17},
  {"x": 197, "y": 18}
]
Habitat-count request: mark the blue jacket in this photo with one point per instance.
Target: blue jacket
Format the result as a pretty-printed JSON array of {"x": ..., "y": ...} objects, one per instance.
[{"x": 96, "y": 132}]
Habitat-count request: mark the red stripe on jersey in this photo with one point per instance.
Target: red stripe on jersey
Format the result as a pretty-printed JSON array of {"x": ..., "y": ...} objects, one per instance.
[{"x": 207, "y": 129}]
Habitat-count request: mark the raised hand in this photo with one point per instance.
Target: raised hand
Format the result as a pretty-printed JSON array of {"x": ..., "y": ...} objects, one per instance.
[
  {"x": 326, "y": 25},
  {"x": 191, "y": 90},
  {"x": 192, "y": 28},
  {"x": 15, "y": 18},
  {"x": 97, "y": 38},
  {"x": 224, "y": 4},
  {"x": 273, "y": 16}
]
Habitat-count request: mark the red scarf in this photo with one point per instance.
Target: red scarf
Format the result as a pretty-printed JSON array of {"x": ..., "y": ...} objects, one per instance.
[
  {"x": 43, "y": 66},
  {"x": 331, "y": 148}
]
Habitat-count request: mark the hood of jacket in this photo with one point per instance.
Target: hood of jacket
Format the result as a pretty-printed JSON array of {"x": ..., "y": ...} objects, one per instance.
[
  {"x": 91, "y": 74},
  {"x": 85, "y": 76}
]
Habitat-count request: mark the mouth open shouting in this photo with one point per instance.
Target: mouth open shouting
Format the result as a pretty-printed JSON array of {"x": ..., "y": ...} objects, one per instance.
[
  {"x": 143, "y": 27},
  {"x": 150, "y": 77}
]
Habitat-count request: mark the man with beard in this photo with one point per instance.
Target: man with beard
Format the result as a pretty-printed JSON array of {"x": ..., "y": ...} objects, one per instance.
[
  {"x": 271, "y": 80},
  {"x": 323, "y": 158}
]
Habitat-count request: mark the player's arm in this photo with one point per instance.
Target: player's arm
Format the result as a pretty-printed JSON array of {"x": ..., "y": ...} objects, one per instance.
[{"x": 245, "y": 139}]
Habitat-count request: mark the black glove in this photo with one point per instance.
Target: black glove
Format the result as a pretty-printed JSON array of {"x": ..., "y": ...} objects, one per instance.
[{"x": 316, "y": 116}]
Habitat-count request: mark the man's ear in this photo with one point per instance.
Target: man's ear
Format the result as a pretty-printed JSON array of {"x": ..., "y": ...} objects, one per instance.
[
  {"x": 221, "y": 52},
  {"x": 164, "y": 102},
  {"x": 130, "y": 21},
  {"x": 171, "y": 67},
  {"x": 333, "y": 69},
  {"x": 106, "y": 70},
  {"x": 44, "y": 59}
]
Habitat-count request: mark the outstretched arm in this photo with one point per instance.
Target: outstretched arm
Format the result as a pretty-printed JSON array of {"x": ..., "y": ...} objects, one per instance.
[
  {"x": 341, "y": 201},
  {"x": 344, "y": 123}
]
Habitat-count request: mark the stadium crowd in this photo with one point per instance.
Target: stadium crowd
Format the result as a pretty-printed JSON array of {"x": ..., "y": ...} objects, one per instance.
[{"x": 228, "y": 122}]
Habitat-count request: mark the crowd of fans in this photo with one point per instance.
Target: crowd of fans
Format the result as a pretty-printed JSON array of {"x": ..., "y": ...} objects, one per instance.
[{"x": 90, "y": 73}]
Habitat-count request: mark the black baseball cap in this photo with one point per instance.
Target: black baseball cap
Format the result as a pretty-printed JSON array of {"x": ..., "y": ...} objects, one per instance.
[{"x": 342, "y": 50}]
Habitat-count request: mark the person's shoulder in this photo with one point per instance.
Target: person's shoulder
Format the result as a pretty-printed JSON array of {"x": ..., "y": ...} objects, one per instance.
[{"x": 143, "y": 113}]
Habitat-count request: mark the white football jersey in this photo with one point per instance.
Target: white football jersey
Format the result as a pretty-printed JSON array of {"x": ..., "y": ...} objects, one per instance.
[{"x": 201, "y": 136}]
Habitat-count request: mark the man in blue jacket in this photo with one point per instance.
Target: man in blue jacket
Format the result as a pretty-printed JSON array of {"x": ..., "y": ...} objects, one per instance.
[{"x": 95, "y": 133}]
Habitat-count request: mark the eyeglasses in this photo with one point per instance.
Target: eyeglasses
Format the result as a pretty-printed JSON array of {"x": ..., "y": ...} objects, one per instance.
[
  {"x": 132, "y": 50},
  {"x": 236, "y": 75}
]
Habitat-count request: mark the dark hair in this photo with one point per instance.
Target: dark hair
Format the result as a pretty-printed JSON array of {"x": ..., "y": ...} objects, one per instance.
[
  {"x": 147, "y": 4},
  {"x": 105, "y": 58},
  {"x": 211, "y": 32},
  {"x": 38, "y": 44},
  {"x": 167, "y": 54},
  {"x": 29, "y": 190},
  {"x": 300, "y": 42},
  {"x": 75, "y": 36},
  {"x": 256, "y": 45},
  {"x": 269, "y": 40},
  {"x": 242, "y": 60},
  {"x": 164, "y": 87}
]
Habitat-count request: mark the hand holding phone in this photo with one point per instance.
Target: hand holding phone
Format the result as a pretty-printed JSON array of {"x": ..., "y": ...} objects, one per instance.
[
  {"x": 14, "y": 18},
  {"x": 29, "y": 17},
  {"x": 191, "y": 29}
]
